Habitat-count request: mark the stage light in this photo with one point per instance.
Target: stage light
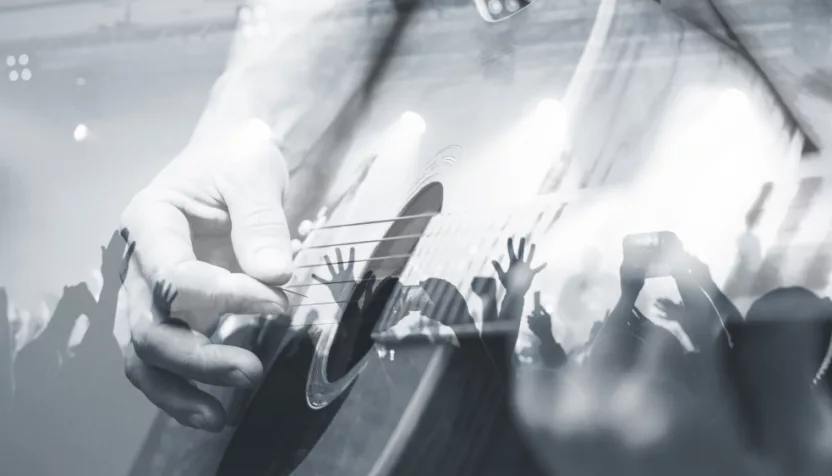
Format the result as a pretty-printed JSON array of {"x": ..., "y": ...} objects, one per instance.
[
  {"x": 734, "y": 97},
  {"x": 495, "y": 6},
  {"x": 13, "y": 75},
  {"x": 512, "y": 5},
  {"x": 413, "y": 123},
  {"x": 81, "y": 133},
  {"x": 26, "y": 74},
  {"x": 10, "y": 61},
  {"x": 23, "y": 59}
]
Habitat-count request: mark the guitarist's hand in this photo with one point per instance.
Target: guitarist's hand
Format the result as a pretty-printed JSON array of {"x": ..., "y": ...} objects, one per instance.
[{"x": 211, "y": 226}]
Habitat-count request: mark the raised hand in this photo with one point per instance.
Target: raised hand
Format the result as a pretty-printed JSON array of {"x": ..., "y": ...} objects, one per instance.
[
  {"x": 518, "y": 278},
  {"x": 342, "y": 282},
  {"x": 115, "y": 258},
  {"x": 540, "y": 322},
  {"x": 668, "y": 308},
  {"x": 76, "y": 300},
  {"x": 163, "y": 296}
]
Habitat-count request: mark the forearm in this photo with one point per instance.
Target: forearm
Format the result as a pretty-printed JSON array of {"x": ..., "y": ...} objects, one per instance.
[
  {"x": 551, "y": 352},
  {"x": 511, "y": 310},
  {"x": 280, "y": 55},
  {"x": 726, "y": 308},
  {"x": 702, "y": 315},
  {"x": 615, "y": 340}
]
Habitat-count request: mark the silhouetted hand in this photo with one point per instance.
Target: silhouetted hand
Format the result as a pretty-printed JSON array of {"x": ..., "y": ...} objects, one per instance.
[
  {"x": 540, "y": 322},
  {"x": 692, "y": 269},
  {"x": 114, "y": 259},
  {"x": 163, "y": 296},
  {"x": 518, "y": 279},
  {"x": 342, "y": 282},
  {"x": 632, "y": 278},
  {"x": 669, "y": 309},
  {"x": 77, "y": 299}
]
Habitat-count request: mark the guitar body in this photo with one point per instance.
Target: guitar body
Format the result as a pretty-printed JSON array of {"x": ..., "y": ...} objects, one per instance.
[{"x": 380, "y": 391}]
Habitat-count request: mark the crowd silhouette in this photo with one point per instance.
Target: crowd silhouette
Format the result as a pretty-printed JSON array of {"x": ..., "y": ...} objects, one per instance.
[
  {"x": 60, "y": 403},
  {"x": 767, "y": 372}
]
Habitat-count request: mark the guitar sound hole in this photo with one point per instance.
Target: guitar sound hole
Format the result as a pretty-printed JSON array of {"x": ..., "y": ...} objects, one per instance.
[{"x": 358, "y": 320}]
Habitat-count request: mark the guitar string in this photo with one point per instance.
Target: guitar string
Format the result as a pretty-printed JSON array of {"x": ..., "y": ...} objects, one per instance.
[{"x": 288, "y": 288}]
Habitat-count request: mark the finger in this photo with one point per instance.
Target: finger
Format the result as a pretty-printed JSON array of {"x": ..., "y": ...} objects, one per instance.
[
  {"x": 539, "y": 268},
  {"x": 500, "y": 273},
  {"x": 352, "y": 256},
  {"x": 191, "y": 355},
  {"x": 206, "y": 292},
  {"x": 511, "y": 255},
  {"x": 329, "y": 265},
  {"x": 340, "y": 259},
  {"x": 129, "y": 253},
  {"x": 253, "y": 185},
  {"x": 521, "y": 250},
  {"x": 175, "y": 396},
  {"x": 161, "y": 233},
  {"x": 319, "y": 279},
  {"x": 531, "y": 252},
  {"x": 115, "y": 240}
]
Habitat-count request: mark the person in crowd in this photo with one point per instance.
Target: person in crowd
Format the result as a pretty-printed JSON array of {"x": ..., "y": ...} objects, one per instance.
[
  {"x": 649, "y": 405},
  {"x": 749, "y": 250},
  {"x": 778, "y": 369},
  {"x": 540, "y": 323}
]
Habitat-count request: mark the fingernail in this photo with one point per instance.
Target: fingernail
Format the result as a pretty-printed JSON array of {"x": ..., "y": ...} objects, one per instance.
[
  {"x": 198, "y": 420},
  {"x": 204, "y": 421},
  {"x": 272, "y": 259},
  {"x": 240, "y": 379}
]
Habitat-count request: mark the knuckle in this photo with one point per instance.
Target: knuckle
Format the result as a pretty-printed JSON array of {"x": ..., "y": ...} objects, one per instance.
[
  {"x": 132, "y": 369},
  {"x": 141, "y": 344}
]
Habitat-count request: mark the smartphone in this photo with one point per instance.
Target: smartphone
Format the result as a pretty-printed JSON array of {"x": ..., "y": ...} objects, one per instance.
[{"x": 658, "y": 253}]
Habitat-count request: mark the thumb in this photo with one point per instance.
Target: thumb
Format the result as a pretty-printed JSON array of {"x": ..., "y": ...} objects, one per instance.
[{"x": 252, "y": 186}]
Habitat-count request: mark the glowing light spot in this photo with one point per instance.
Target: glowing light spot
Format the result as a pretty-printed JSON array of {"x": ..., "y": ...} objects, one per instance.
[
  {"x": 512, "y": 5},
  {"x": 81, "y": 133},
  {"x": 10, "y": 61},
  {"x": 23, "y": 59},
  {"x": 550, "y": 108},
  {"x": 13, "y": 76},
  {"x": 495, "y": 6},
  {"x": 413, "y": 123},
  {"x": 734, "y": 97},
  {"x": 26, "y": 75}
]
